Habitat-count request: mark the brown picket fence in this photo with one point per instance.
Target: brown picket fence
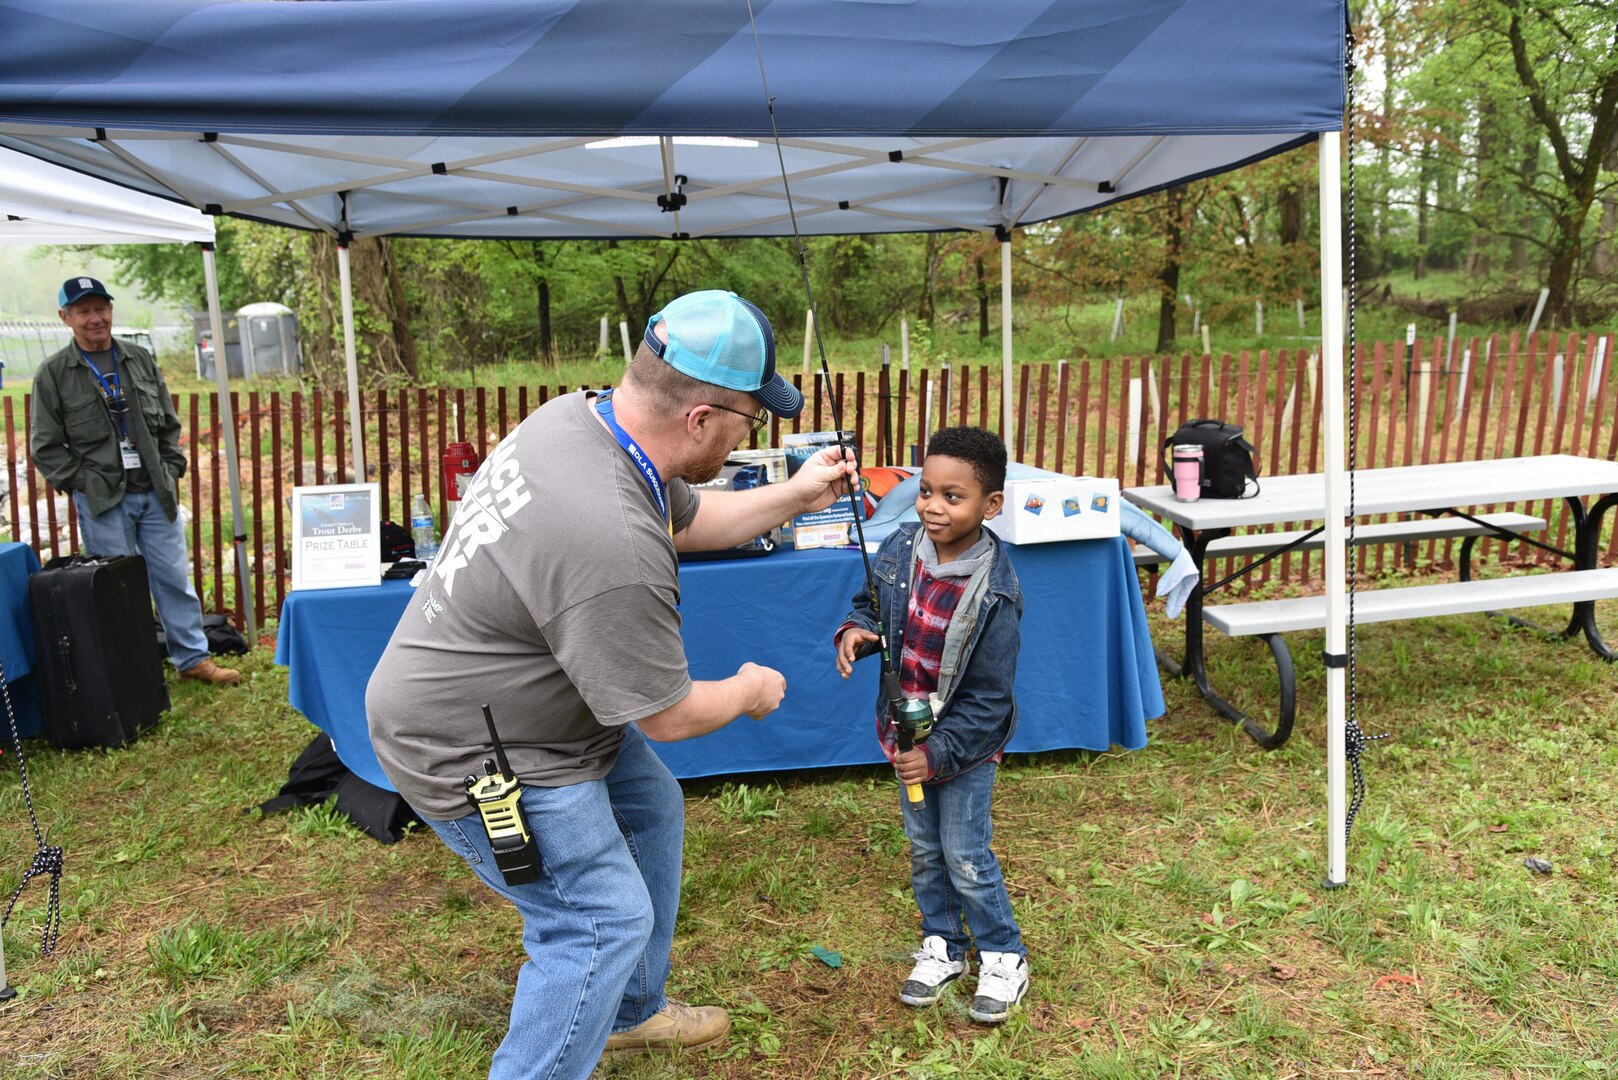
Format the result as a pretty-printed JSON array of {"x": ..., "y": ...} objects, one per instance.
[{"x": 1503, "y": 397}]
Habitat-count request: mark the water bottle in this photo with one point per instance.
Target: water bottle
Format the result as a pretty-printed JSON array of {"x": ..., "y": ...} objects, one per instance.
[{"x": 422, "y": 529}]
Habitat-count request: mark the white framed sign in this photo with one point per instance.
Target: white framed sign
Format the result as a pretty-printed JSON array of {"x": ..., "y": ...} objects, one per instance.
[{"x": 336, "y": 536}]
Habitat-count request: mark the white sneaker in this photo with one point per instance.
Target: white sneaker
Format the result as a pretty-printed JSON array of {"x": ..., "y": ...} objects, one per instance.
[
  {"x": 1002, "y": 982},
  {"x": 934, "y": 970}
]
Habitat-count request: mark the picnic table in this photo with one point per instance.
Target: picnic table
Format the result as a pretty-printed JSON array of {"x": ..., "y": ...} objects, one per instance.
[{"x": 1438, "y": 493}]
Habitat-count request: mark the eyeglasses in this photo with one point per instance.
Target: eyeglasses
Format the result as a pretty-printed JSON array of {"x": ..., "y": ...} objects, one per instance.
[{"x": 757, "y": 420}]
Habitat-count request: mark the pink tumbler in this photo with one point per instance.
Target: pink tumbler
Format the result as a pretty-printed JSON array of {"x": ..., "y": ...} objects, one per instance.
[{"x": 1188, "y": 472}]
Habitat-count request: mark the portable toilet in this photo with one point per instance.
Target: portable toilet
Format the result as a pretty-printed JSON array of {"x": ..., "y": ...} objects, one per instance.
[
  {"x": 269, "y": 339},
  {"x": 205, "y": 347}
]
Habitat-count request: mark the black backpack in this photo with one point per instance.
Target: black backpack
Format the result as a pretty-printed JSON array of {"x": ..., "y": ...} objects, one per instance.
[{"x": 1227, "y": 458}]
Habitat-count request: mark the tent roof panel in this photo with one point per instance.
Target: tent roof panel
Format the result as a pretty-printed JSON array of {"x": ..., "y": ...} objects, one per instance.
[{"x": 569, "y": 118}]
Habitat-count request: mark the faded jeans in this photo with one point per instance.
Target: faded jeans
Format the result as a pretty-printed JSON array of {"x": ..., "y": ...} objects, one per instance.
[
  {"x": 952, "y": 871},
  {"x": 599, "y": 923},
  {"x": 138, "y": 526}
]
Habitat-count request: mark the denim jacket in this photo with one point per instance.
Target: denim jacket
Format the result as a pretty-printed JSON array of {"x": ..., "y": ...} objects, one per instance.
[{"x": 979, "y": 662}]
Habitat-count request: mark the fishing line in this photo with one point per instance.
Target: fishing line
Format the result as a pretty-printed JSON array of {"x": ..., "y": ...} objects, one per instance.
[{"x": 907, "y": 721}]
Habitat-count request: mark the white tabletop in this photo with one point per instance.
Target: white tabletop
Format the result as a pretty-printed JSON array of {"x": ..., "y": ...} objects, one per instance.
[{"x": 1390, "y": 491}]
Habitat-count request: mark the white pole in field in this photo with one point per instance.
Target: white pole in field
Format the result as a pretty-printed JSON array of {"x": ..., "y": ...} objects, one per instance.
[
  {"x": 623, "y": 335},
  {"x": 1207, "y": 348},
  {"x": 1539, "y": 309},
  {"x": 1196, "y": 322},
  {"x": 808, "y": 337},
  {"x": 1331, "y": 374},
  {"x": 221, "y": 371},
  {"x": 1009, "y": 427},
  {"x": 601, "y": 349},
  {"x": 1134, "y": 419},
  {"x": 350, "y": 358},
  {"x": 1449, "y": 346},
  {"x": 1424, "y": 392},
  {"x": 904, "y": 344},
  {"x": 1151, "y": 393},
  {"x": 1595, "y": 370},
  {"x": 6, "y": 992},
  {"x": 927, "y": 425},
  {"x": 1258, "y": 318},
  {"x": 1556, "y": 379},
  {"x": 1117, "y": 320},
  {"x": 1466, "y": 372},
  {"x": 1300, "y": 314}
]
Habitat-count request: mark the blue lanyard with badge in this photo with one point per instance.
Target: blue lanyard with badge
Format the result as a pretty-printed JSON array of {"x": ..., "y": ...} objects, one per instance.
[
  {"x": 117, "y": 407},
  {"x": 648, "y": 471}
]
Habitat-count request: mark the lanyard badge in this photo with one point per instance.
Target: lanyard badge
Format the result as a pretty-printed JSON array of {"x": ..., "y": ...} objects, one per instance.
[
  {"x": 117, "y": 407},
  {"x": 648, "y": 471}
]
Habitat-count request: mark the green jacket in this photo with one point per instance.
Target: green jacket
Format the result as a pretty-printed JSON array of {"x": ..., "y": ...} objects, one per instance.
[{"x": 75, "y": 439}]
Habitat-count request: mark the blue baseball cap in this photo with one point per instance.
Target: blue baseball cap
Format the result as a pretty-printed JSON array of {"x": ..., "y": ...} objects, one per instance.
[
  {"x": 716, "y": 337},
  {"x": 75, "y": 289}
]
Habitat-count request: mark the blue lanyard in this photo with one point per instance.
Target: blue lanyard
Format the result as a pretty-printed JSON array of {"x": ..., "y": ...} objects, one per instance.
[
  {"x": 111, "y": 389},
  {"x": 648, "y": 471}
]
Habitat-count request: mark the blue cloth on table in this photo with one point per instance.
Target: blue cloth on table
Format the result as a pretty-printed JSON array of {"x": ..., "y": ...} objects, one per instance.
[
  {"x": 17, "y": 562},
  {"x": 1087, "y": 677}
]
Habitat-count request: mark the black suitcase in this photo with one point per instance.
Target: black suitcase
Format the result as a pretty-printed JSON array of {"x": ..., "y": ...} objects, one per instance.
[{"x": 100, "y": 680}]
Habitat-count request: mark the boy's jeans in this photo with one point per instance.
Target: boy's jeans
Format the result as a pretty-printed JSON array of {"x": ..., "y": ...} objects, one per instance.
[
  {"x": 952, "y": 871},
  {"x": 138, "y": 526},
  {"x": 599, "y": 923}
]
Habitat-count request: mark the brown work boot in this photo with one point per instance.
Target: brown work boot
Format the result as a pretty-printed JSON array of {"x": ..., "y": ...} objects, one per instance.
[
  {"x": 674, "y": 1027},
  {"x": 209, "y": 672}
]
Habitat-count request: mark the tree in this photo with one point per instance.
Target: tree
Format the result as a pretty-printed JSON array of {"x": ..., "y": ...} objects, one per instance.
[{"x": 1575, "y": 101}]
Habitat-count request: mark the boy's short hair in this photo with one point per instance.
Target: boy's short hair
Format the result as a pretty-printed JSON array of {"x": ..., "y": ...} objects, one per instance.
[{"x": 981, "y": 449}]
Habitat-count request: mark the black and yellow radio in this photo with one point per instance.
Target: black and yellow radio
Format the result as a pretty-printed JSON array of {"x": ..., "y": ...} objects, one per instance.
[{"x": 495, "y": 797}]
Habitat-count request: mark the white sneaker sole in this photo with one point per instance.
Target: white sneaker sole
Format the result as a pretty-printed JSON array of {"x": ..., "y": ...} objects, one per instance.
[
  {"x": 985, "y": 1017},
  {"x": 917, "y": 1001}
]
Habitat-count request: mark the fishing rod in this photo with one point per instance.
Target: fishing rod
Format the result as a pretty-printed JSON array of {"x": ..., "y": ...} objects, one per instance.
[{"x": 911, "y": 718}]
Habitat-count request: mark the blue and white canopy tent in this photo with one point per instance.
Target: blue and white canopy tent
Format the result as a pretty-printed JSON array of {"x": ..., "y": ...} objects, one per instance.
[
  {"x": 619, "y": 118},
  {"x": 46, "y": 204}
]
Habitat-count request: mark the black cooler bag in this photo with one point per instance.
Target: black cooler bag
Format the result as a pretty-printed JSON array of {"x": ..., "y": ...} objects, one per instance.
[{"x": 100, "y": 680}]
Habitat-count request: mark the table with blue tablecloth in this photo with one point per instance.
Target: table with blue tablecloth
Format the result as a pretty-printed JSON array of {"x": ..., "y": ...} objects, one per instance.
[
  {"x": 1086, "y": 678},
  {"x": 17, "y": 562}
]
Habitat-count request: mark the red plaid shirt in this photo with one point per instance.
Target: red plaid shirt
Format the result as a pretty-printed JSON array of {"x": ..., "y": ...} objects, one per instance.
[{"x": 932, "y": 606}]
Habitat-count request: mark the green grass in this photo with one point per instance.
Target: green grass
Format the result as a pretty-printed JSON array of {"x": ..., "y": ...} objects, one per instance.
[{"x": 1170, "y": 899}]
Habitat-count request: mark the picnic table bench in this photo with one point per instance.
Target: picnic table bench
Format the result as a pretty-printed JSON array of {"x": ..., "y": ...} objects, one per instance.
[{"x": 1436, "y": 491}]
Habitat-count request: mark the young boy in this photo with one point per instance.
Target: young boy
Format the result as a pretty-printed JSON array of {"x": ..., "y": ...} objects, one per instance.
[{"x": 951, "y": 604}]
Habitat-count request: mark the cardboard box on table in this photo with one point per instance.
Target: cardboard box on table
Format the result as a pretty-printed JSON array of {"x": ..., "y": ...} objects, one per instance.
[{"x": 1049, "y": 508}]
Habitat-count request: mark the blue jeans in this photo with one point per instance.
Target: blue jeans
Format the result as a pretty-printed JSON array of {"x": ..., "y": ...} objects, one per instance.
[
  {"x": 599, "y": 923},
  {"x": 952, "y": 871},
  {"x": 138, "y": 526}
]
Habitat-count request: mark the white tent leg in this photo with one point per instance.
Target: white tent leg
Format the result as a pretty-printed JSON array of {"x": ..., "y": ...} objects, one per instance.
[
  {"x": 1331, "y": 378},
  {"x": 1009, "y": 427},
  {"x": 357, "y": 443},
  {"x": 221, "y": 372}
]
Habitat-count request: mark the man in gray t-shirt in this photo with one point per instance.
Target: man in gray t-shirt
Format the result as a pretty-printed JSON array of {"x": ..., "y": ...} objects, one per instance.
[{"x": 554, "y": 599}]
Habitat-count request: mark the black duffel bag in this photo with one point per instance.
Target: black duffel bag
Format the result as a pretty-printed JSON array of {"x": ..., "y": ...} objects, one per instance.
[
  {"x": 1228, "y": 460},
  {"x": 223, "y": 637}
]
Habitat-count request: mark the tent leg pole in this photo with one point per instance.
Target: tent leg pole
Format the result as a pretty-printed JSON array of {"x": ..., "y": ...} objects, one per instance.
[
  {"x": 1008, "y": 426},
  {"x": 221, "y": 372},
  {"x": 351, "y": 359},
  {"x": 1331, "y": 380}
]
